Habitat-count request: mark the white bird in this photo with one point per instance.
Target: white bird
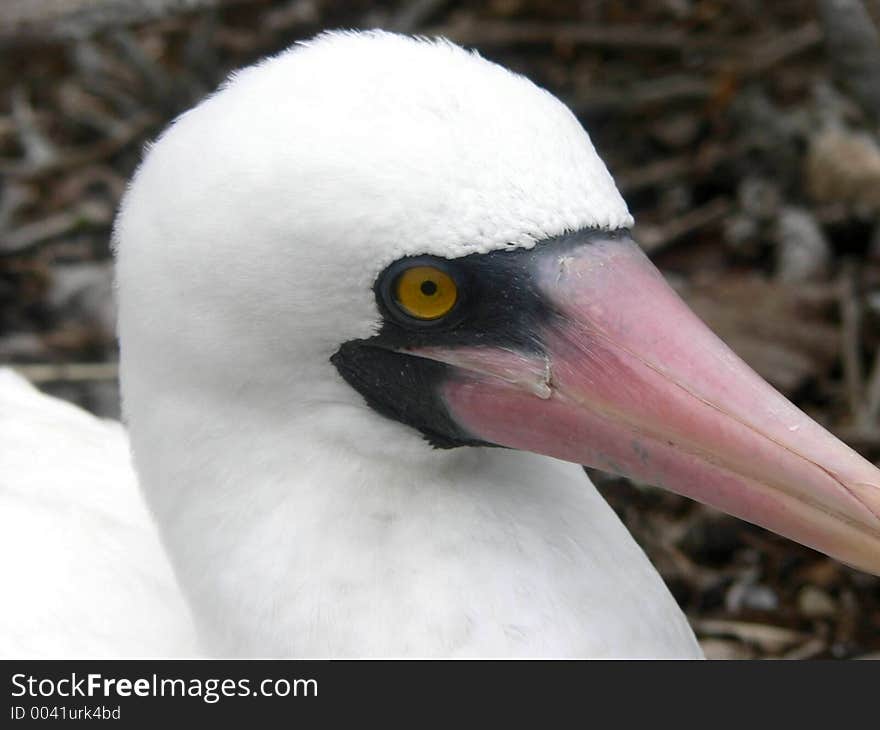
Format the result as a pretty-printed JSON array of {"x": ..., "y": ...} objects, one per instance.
[{"x": 344, "y": 279}]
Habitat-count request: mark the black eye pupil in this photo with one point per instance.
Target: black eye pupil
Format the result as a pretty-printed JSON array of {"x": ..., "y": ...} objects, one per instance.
[{"x": 429, "y": 288}]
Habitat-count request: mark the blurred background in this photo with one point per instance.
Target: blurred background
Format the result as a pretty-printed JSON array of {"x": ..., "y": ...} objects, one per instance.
[{"x": 743, "y": 135}]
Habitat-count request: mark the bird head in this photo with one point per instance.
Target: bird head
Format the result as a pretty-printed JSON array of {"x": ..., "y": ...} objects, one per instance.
[{"x": 405, "y": 227}]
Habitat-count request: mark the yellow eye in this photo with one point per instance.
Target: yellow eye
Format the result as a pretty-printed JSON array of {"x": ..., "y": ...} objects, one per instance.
[{"x": 425, "y": 292}]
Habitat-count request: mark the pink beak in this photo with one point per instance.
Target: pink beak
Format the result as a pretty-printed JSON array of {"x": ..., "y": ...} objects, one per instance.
[{"x": 632, "y": 382}]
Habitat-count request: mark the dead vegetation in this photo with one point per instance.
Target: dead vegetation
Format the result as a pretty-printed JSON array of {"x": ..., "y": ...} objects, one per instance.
[{"x": 744, "y": 136}]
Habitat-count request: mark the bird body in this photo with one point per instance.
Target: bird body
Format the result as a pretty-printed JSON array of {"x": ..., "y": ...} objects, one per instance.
[{"x": 84, "y": 572}]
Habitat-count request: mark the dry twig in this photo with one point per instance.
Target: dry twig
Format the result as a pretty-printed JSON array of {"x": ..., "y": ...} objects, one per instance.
[
  {"x": 69, "y": 372},
  {"x": 654, "y": 237},
  {"x": 851, "y": 314}
]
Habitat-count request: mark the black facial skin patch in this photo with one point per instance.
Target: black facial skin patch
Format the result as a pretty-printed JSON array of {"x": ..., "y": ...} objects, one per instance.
[{"x": 499, "y": 305}]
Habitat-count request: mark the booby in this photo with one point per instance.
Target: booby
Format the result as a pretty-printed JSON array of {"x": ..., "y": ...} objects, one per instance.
[{"x": 378, "y": 302}]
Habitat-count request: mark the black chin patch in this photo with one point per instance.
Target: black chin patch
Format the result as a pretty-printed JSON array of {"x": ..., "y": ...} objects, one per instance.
[
  {"x": 501, "y": 307},
  {"x": 404, "y": 388}
]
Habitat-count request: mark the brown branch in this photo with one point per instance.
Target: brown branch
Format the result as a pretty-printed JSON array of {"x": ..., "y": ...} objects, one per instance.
[
  {"x": 413, "y": 15},
  {"x": 38, "y": 148},
  {"x": 768, "y": 637},
  {"x": 851, "y": 315},
  {"x": 780, "y": 48},
  {"x": 30, "y": 21},
  {"x": 67, "y": 159},
  {"x": 672, "y": 168},
  {"x": 759, "y": 53},
  {"x": 505, "y": 32},
  {"x": 872, "y": 403},
  {"x": 663, "y": 90},
  {"x": 68, "y": 372},
  {"x": 87, "y": 213},
  {"x": 652, "y": 238}
]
